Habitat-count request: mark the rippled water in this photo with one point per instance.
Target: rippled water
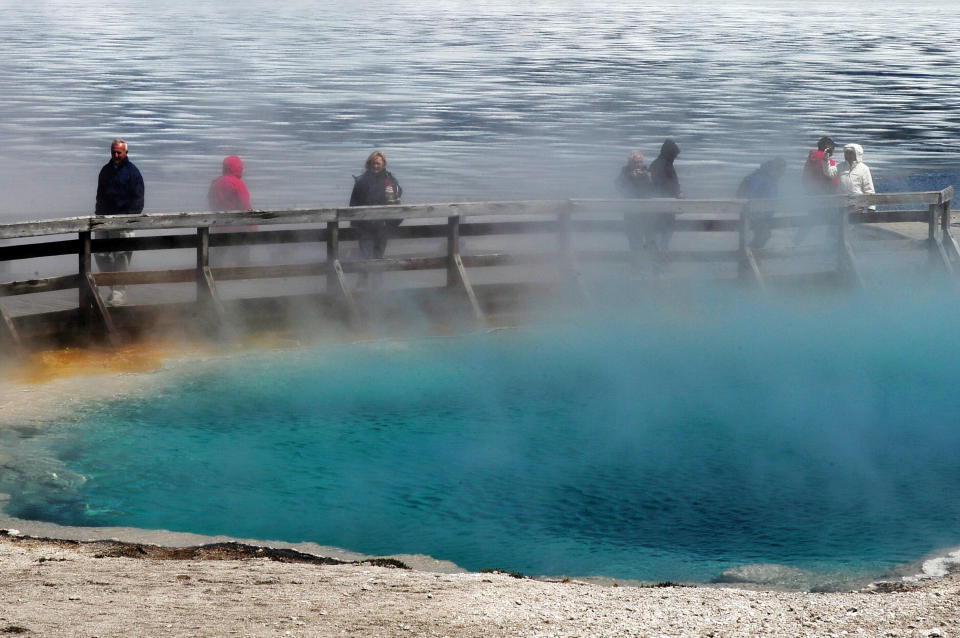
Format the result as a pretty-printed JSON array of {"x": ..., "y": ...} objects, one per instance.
[
  {"x": 687, "y": 437},
  {"x": 470, "y": 100}
]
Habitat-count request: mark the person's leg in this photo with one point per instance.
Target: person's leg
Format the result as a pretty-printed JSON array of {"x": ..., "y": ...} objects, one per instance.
[
  {"x": 106, "y": 262},
  {"x": 761, "y": 230},
  {"x": 366, "y": 239},
  {"x": 118, "y": 261},
  {"x": 380, "y": 243},
  {"x": 365, "y": 246},
  {"x": 124, "y": 258},
  {"x": 379, "y": 249},
  {"x": 664, "y": 231}
]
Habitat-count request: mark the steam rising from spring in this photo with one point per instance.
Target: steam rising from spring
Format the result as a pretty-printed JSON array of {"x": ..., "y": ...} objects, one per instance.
[{"x": 671, "y": 440}]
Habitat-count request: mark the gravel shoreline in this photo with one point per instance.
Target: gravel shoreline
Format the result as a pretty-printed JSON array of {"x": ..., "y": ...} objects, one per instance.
[{"x": 67, "y": 588}]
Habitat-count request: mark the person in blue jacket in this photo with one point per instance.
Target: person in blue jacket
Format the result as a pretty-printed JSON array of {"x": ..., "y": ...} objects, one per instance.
[
  {"x": 120, "y": 191},
  {"x": 763, "y": 183}
]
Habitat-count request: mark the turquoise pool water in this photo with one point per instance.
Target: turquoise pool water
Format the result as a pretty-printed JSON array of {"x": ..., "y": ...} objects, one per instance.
[{"x": 682, "y": 438}]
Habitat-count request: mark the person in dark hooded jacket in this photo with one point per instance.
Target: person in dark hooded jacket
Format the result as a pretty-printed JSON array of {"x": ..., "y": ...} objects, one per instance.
[
  {"x": 376, "y": 187},
  {"x": 665, "y": 184},
  {"x": 663, "y": 174}
]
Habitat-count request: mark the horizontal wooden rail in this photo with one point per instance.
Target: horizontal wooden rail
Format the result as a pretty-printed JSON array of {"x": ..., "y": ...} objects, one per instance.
[
  {"x": 31, "y": 286},
  {"x": 553, "y": 230},
  {"x": 889, "y": 216},
  {"x": 161, "y": 221}
]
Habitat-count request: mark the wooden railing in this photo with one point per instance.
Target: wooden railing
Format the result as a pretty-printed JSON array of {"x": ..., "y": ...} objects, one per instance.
[{"x": 566, "y": 221}]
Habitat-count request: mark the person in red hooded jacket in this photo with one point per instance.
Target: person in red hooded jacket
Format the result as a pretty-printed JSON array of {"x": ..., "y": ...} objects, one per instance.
[{"x": 228, "y": 193}]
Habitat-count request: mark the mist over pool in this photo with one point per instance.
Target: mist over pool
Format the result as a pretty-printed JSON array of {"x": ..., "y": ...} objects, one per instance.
[{"x": 672, "y": 440}]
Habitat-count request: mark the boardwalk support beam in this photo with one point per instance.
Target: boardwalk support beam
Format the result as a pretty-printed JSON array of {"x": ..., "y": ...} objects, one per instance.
[
  {"x": 9, "y": 333},
  {"x": 336, "y": 281},
  {"x": 949, "y": 241},
  {"x": 207, "y": 298},
  {"x": 941, "y": 244},
  {"x": 456, "y": 273}
]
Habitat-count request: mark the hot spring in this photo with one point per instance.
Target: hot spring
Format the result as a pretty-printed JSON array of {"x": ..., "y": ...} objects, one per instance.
[{"x": 671, "y": 440}]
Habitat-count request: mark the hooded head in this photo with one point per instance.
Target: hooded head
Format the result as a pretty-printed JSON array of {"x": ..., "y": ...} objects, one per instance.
[
  {"x": 669, "y": 150},
  {"x": 233, "y": 166},
  {"x": 854, "y": 150}
]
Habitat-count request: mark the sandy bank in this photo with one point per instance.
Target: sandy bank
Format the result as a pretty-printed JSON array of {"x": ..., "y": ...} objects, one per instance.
[{"x": 62, "y": 588}]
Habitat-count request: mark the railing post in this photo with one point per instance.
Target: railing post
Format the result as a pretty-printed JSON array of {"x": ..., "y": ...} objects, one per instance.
[
  {"x": 84, "y": 269},
  {"x": 932, "y": 225},
  {"x": 938, "y": 220},
  {"x": 946, "y": 237},
  {"x": 203, "y": 250},
  {"x": 453, "y": 250},
  {"x": 933, "y": 246},
  {"x": 207, "y": 298},
  {"x": 333, "y": 254}
]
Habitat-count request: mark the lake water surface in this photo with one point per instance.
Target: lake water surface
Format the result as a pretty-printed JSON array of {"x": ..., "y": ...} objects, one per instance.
[{"x": 486, "y": 99}]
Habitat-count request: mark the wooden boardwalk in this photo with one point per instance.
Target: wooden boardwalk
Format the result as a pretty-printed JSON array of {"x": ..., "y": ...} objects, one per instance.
[{"x": 471, "y": 261}]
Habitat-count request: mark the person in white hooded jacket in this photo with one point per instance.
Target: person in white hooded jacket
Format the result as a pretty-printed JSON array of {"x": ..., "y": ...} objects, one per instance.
[{"x": 855, "y": 177}]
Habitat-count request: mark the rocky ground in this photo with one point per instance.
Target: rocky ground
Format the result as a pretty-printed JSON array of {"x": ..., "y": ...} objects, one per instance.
[{"x": 104, "y": 588}]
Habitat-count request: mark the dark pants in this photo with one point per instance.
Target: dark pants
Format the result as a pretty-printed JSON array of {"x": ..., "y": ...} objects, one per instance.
[
  {"x": 649, "y": 232},
  {"x": 372, "y": 236},
  {"x": 762, "y": 225}
]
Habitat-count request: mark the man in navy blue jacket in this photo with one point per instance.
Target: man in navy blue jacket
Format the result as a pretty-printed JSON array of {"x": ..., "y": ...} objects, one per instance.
[{"x": 120, "y": 191}]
